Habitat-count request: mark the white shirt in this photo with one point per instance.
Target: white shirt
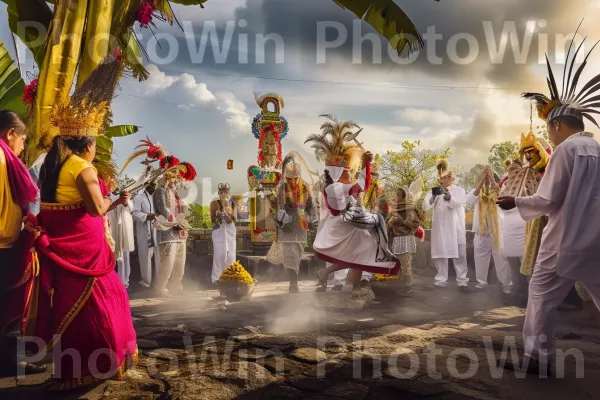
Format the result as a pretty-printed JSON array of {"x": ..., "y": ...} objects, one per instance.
[{"x": 570, "y": 195}]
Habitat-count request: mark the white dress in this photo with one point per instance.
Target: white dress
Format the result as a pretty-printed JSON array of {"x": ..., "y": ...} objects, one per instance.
[
  {"x": 224, "y": 247},
  {"x": 342, "y": 242}
]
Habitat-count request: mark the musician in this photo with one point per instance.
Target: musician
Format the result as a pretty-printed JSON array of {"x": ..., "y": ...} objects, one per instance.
[{"x": 223, "y": 212}]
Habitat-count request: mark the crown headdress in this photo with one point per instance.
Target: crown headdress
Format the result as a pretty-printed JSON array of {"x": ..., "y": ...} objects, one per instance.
[
  {"x": 569, "y": 102},
  {"x": 87, "y": 112},
  {"x": 533, "y": 142},
  {"x": 333, "y": 145},
  {"x": 224, "y": 186}
]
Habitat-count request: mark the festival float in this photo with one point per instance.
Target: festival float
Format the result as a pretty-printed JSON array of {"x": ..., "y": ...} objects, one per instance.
[{"x": 270, "y": 128}]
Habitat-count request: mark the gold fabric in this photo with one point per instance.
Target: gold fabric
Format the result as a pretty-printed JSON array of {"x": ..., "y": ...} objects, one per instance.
[
  {"x": 10, "y": 212},
  {"x": 533, "y": 238},
  {"x": 488, "y": 213}
]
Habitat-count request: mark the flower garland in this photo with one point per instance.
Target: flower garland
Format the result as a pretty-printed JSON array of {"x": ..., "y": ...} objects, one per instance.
[
  {"x": 270, "y": 128},
  {"x": 488, "y": 209},
  {"x": 296, "y": 193},
  {"x": 30, "y": 91}
]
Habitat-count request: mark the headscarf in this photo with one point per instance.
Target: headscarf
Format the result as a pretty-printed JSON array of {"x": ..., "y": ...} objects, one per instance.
[{"x": 23, "y": 189}]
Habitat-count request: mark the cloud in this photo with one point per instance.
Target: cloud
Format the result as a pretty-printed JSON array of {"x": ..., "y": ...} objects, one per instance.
[
  {"x": 235, "y": 110},
  {"x": 422, "y": 115},
  {"x": 190, "y": 93}
]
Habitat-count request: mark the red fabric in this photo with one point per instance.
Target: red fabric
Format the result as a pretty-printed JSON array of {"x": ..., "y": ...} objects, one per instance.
[
  {"x": 72, "y": 248},
  {"x": 368, "y": 177},
  {"x": 22, "y": 187},
  {"x": 365, "y": 268},
  {"x": 502, "y": 181}
]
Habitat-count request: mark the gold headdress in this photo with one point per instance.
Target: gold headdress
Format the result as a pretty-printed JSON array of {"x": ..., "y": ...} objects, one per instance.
[
  {"x": 568, "y": 102},
  {"x": 87, "y": 112},
  {"x": 443, "y": 168},
  {"x": 532, "y": 142},
  {"x": 333, "y": 145}
]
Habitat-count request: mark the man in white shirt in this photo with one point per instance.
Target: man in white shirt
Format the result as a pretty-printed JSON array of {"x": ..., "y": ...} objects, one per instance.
[
  {"x": 448, "y": 233},
  {"x": 121, "y": 225},
  {"x": 487, "y": 226},
  {"x": 570, "y": 195},
  {"x": 147, "y": 244}
]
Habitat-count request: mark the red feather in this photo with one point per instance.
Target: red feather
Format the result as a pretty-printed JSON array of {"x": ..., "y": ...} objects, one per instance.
[
  {"x": 169, "y": 162},
  {"x": 188, "y": 172}
]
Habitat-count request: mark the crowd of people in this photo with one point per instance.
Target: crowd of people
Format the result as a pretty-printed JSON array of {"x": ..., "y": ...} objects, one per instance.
[{"x": 66, "y": 228}]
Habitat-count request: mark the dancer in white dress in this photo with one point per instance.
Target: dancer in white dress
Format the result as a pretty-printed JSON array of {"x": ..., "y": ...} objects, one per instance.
[{"x": 351, "y": 237}]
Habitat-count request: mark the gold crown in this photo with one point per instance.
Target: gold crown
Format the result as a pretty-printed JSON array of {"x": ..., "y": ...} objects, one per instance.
[
  {"x": 224, "y": 186},
  {"x": 81, "y": 120},
  {"x": 531, "y": 141}
]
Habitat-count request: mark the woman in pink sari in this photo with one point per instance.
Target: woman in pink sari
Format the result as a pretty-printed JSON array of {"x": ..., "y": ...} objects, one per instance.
[{"x": 77, "y": 300}]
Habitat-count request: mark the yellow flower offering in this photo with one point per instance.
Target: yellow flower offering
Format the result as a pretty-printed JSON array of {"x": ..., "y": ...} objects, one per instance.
[
  {"x": 235, "y": 273},
  {"x": 381, "y": 277}
]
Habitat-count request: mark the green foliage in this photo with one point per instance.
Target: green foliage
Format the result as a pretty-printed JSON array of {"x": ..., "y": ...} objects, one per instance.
[
  {"x": 469, "y": 178},
  {"x": 11, "y": 85},
  {"x": 199, "y": 217},
  {"x": 23, "y": 16},
  {"x": 501, "y": 152},
  {"x": 542, "y": 130},
  {"x": 401, "y": 168}
]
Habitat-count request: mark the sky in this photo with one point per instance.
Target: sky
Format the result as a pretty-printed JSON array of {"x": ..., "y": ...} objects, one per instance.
[{"x": 459, "y": 92}]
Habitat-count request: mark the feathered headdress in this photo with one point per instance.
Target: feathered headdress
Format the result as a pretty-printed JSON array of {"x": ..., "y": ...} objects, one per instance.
[
  {"x": 443, "y": 167},
  {"x": 333, "y": 145},
  {"x": 153, "y": 153},
  {"x": 181, "y": 171},
  {"x": 87, "y": 112},
  {"x": 569, "y": 102}
]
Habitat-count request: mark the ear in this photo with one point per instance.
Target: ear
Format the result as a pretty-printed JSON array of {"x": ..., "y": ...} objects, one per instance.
[{"x": 10, "y": 133}]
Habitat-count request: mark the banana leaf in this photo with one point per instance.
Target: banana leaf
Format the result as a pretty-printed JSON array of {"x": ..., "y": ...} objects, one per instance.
[
  {"x": 121, "y": 130},
  {"x": 105, "y": 144},
  {"x": 11, "y": 85},
  {"x": 189, "y": 2},
  {"x": 30, "y": 11},
  {"x": 388, "y": 19}
]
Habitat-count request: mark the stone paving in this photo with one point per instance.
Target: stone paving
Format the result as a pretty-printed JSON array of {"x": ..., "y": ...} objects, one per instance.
[{"x": 439, "y": 344}]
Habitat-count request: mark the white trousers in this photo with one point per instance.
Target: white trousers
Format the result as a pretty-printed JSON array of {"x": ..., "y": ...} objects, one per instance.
[
  {"x": 124, "y": 269},
  {"x": 484, "y": 250},
  {"x": 547, "y": 290},
  {"x": 146, "y": 254},
  {"x": 172, "y": 266},
  {"x": 460, "y": 265}
]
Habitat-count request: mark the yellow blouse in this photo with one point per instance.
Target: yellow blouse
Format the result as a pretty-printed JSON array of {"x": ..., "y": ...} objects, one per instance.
[
  {"x": 10, "y": 212},
  {"x": 66, "y": 189}
]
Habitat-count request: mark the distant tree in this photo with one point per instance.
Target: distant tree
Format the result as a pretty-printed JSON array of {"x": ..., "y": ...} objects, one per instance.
[
  {"x": 501, "y": 152},
  {"x": 469, "y": 177},
  {"x": 199, "y": 217},
  {"x": 401, "y": 168}
]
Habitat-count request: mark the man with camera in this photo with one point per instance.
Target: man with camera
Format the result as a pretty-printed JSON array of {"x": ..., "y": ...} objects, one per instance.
[{"x": 448, "y": 234}]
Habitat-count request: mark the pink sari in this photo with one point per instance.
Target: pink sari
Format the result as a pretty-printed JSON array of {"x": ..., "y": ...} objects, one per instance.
[{"x": 75, "y": 300}]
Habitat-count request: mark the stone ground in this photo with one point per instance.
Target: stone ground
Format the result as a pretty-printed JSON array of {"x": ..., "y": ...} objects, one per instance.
[{"x": 322, "y": 346}]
